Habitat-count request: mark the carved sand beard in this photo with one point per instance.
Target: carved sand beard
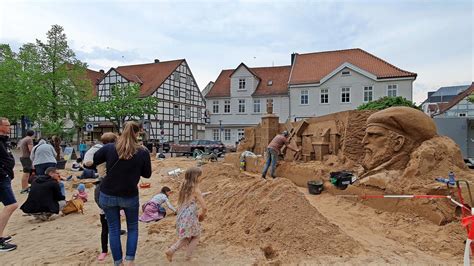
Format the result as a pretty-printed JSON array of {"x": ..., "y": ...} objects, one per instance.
[{"x": 374, "y": 159}]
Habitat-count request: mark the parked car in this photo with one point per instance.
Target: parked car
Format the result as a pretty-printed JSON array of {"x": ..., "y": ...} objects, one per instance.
[{"x": 214, "y": 146}]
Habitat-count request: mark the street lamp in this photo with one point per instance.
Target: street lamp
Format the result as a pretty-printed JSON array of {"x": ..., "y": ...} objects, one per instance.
[{"x": 220, "y": 130}]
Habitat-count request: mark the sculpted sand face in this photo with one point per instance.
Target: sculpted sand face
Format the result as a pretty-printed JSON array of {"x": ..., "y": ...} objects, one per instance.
[{"x": 392, "y": 134}]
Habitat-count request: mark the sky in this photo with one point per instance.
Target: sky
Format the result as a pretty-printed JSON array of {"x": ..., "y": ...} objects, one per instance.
[{"x": 431, "y": 38}]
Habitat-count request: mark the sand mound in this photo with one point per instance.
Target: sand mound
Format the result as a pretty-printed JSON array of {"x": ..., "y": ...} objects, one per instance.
[{"x": 254, "y": 213}]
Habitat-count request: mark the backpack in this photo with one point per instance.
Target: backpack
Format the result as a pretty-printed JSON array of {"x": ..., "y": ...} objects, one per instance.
[{"x": 74, "y": 205}]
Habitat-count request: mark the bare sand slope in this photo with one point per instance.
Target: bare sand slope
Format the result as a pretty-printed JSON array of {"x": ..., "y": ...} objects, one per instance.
[{"x": 250, "y": 221}]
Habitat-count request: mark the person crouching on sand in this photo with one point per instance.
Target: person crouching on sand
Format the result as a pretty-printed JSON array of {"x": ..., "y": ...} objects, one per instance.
[{"x": 188, "y": 220}]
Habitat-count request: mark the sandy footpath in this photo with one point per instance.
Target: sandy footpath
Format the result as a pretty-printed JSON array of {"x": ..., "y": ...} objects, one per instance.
[{"x": 250, "y": 221}]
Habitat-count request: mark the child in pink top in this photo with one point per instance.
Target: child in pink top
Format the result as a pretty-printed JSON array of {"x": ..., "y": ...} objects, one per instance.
[{"x": 81, "y": 193}]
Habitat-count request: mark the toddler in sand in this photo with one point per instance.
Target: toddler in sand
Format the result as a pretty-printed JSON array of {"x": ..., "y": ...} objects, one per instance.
[
  {"x": 81, "y": 193},
  {"x": 188, "y": 220}
]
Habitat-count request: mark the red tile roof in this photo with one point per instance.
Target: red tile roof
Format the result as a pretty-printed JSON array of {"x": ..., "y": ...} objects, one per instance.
[
  {"x": 94, "y": 77},
  {"x": 150, "y": 76},
  {"x": 312, "y": 67},
  {"x": 456, "y": 100},
  {"x": 221, "y": 86},
  {"x": 278, "y": 75}
]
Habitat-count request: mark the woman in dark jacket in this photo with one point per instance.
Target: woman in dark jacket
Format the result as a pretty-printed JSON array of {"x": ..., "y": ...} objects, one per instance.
[
  {"x": 126, "y": 162},
  {"x": 45, "y": 194}
]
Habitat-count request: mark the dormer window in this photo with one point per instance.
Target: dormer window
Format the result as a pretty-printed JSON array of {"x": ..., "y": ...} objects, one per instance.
[
  {"x": 241, "y": 84},
  {"x": 270, "y": 82},
  {"x": 345, "y": 73}
]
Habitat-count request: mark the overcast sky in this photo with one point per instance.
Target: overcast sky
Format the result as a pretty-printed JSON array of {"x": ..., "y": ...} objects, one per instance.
[{"x": 431, "y": 38}]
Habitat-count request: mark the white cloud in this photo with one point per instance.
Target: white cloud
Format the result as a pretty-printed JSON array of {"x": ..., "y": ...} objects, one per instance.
[{"x": 433, "y": 39}]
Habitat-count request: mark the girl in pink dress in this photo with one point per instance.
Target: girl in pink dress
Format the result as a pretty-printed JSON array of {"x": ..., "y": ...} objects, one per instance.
[{"x": 188, "y": 220}]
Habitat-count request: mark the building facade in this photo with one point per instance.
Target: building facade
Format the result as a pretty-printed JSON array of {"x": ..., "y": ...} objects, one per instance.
[
  {"x": 455, "y": 119},
  {"x": 239, "y": 97},
  {"x": 180, "y": 107},
  {"x": 329, "y": 82},
  {"x": 437, "y": 100},
  {"x": 315, "y": 84}
]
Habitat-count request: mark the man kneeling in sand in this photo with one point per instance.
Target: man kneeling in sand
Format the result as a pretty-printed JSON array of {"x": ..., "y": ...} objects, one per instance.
[
  {"x": 392, "y": 135},
  {"x": 46, "y": 197}
]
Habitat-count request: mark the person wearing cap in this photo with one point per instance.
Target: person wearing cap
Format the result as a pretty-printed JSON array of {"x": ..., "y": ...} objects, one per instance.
[
  {"x": 45, "y": 197},
  {"x": 273, "y": 150},
  {"x": 391, "y": 136}
]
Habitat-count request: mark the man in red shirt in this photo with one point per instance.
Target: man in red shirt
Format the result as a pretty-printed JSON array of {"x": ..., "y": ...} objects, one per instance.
[{"x": 273, "y": 150}]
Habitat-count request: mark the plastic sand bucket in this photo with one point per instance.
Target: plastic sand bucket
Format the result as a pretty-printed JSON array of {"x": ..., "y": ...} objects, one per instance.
[{"x": 315, "y": 187}]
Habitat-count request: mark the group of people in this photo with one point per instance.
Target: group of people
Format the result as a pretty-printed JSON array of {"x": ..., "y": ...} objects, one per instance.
[{"x": 120, "y": 162}]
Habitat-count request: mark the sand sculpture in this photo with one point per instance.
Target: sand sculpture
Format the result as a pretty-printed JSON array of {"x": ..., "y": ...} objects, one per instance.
[
  {"x": 393, "y": 151},
  {"x": 391, "y": 136}
]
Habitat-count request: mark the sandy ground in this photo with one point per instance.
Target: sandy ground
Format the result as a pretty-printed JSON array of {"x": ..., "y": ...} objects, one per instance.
[{"x": 250, "y": 221}]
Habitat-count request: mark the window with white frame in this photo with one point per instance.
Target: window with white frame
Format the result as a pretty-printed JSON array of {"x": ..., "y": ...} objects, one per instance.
[
  {"x": 176, "y": 110},
  {"x": 188, "y": 79},
  {"x": 188, "y": 112},
  {"x": 215, "y": 134},
  {"x": 176, "y": 92},
  {"x": 227, "y": 106},
  {"x": 392, "y": 90},
  {"x": 304, "y": 97},
  {"x": 188, "y": 95},
  {"x": 240, "y": 133},
  {"x": 368, "y": 93},
  {"x": 241, "y": 84},
  {"x": 215, "y": 107},
  {"x": 227, "y": 134},
  {"x": 324, "y": 96},
  {"x": 345, "y": 95},
  {"x": 345, "y": 73},
  {"x": 176, "y": 76},
  {"x": 256, "y": 106},
  {"x": 241, "y": 105}
]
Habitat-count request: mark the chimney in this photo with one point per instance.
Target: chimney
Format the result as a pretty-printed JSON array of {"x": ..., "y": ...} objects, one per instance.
[
  {"x": 157, "y": 61},
  {"x": 293, "y": 56},
  {"x": 101, "y": 71}
]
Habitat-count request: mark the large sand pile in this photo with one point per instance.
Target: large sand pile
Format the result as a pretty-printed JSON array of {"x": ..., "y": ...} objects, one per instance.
[{"x": 253, "y": 213}]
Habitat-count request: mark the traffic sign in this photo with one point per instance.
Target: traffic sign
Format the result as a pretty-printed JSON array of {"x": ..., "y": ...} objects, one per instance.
[{"x": 89, "y": 127}]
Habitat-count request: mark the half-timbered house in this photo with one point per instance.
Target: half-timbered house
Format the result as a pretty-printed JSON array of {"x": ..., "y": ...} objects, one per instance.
[{"x": 181, "y": 105}]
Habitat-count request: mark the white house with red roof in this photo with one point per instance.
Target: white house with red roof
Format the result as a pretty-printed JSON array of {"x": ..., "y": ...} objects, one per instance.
[
  {"x": 181, "y": 106},
  {"x": 315, "y": 84},
  {"x": 239, "y": 96},
  {"x": 329, "y": 82}
]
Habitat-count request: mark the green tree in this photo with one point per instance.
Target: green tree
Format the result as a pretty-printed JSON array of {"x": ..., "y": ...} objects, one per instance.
[
  {"x": 61, "y": 72},
  {"x": 386, "y": 102},
  {"x": 470, "y": 98},
  {"x": 64, "y": 86},
  {"x": 125, "y": 103},
  {"x": 9, "y": 83},
  {"x": 31, "y": 86}
]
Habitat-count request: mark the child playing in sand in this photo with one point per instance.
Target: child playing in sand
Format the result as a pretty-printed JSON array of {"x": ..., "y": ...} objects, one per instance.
[
  {"x": 188, "y": 221},
  {"x": 153, "y": 210},
  {"x": 77, "y": 165},
  {"x": 81, "y": 193}
]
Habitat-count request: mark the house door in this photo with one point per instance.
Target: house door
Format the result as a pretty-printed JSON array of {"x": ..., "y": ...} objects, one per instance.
[
  {"x": 176, "y": 133},
  {"x": 470, "y": 139}
]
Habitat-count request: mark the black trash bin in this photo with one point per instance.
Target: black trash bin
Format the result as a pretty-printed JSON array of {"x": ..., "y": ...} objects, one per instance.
[{"x": 315, "y": 187}]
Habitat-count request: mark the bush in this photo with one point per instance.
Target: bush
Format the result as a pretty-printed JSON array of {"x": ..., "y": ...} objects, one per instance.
[{"x": 387, "y": 102}]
